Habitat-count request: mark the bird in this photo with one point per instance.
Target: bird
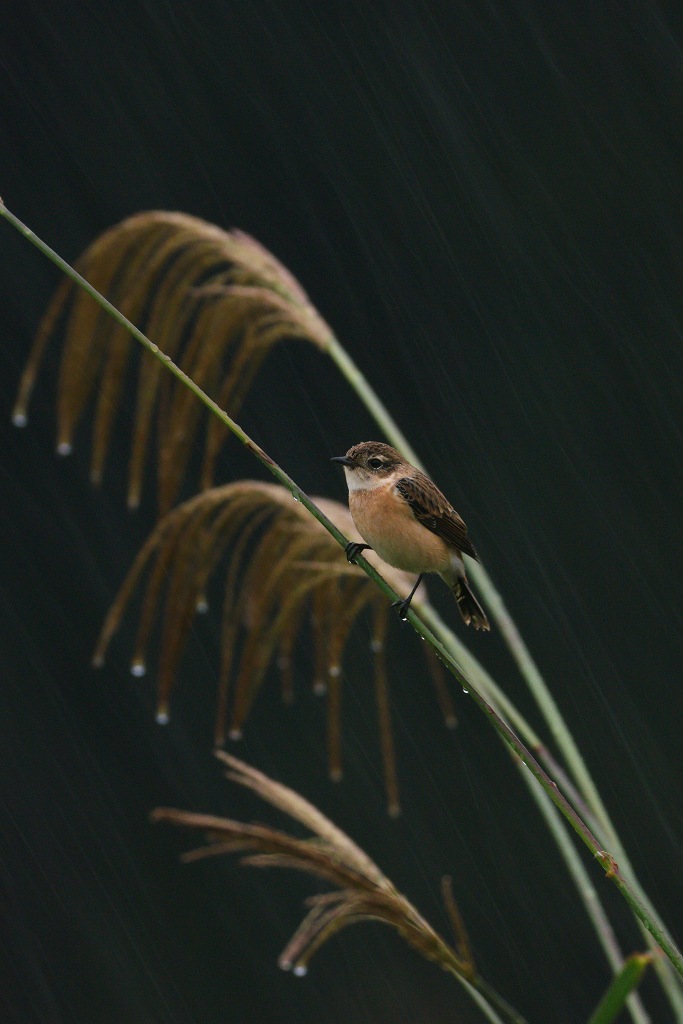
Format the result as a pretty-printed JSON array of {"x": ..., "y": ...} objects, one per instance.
[{"x": 403, "y": 516}]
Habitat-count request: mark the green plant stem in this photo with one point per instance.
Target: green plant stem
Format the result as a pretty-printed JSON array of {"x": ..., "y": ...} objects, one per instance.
[
  {"x": 489, "y": 1002},
  {"x": 493, "y": 693},
  {"x": 646, "y": 915},
  {"x": 584, "y": 886},
  {"x": 495, "y": 605},
  {"x": 589, "y": 897},
  {"x": 492, "y": 598},
  {"x": 621, "y": 989},
  {"x": 485, "y": 996}
]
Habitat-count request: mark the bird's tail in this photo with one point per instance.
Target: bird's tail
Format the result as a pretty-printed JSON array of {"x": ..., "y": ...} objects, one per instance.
[{"x": 472, "y": 612}]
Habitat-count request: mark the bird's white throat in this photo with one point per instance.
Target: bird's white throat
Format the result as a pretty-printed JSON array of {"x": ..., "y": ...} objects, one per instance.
[{"x": 358, "y": 479}]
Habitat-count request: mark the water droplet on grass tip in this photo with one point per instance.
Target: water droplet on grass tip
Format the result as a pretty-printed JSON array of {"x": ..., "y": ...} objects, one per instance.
[
  {"x": 138, "y": 668},
  {"x": 63, "y": 448},
  {"x": 19, "y": 419},
  {"x": 162, "y": 717},
  {"x": 235, "y": 734},
  {"x": 300, "y": 970}
]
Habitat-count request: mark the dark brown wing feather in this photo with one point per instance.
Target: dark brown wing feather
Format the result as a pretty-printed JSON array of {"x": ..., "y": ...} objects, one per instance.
[{"x": 429, "y": 506}]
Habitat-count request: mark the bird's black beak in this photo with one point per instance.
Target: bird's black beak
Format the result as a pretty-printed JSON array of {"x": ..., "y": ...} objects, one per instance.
[{"x": 344, "y": 459}]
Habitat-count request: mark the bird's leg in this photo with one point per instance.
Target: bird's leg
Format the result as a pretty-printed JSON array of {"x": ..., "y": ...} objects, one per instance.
[
  {"x": 405, "y": 603},
  {"x": 354, "y": 548}
]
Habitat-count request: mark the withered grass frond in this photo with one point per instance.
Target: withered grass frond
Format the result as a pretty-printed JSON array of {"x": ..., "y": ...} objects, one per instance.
[
  {"x": 214, "y": 301},
  {"x": 287, "y": 585},
  {"x": 362, "y": 892}
]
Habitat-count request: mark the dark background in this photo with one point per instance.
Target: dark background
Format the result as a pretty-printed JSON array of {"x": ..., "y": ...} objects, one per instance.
[{"x": 485, "y": 201}]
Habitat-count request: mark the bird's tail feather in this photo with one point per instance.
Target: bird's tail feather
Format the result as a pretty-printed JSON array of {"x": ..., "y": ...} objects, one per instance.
[{"x": 472, "y": 612}]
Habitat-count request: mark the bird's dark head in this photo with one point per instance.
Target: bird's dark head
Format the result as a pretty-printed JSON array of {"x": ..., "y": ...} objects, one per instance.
[{"x": 369, "y": 463}]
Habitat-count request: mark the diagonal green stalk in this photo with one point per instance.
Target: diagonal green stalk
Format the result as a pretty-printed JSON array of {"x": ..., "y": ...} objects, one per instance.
[
  {"x": 589, "y": 897},
  {"x": 483, "y": 995},
  {"x": 645, "y": 913},
  {"x": 510, "y": 633},
  {"x": 528, "y": 668},
  {"x": 577, "y": 870},
  {"x": 494, "y": 604},
  {"x": 670, "y": 981}
]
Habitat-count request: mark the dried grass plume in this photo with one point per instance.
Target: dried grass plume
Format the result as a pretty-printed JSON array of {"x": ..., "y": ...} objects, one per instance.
[
  {"x": 361, "y": 892},
  {"x": 214, "y": 301},
  {"x": 287, "y": 585}
]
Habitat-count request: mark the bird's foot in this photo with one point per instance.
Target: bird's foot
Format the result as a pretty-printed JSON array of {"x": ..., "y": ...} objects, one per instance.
[
  {"x": 354, "y": 548},
  {"x": 402, "y": 607}
]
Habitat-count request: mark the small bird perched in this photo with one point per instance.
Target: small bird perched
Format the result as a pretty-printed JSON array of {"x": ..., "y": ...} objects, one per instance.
[{"x": 405, "y": 518}]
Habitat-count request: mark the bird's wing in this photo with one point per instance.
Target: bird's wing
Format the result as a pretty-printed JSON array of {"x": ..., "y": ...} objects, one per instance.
[{"x": 430, "y": 508}]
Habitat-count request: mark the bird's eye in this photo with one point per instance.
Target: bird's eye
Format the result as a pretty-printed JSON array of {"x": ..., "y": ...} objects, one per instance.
[{"x": 375, "y": 463}]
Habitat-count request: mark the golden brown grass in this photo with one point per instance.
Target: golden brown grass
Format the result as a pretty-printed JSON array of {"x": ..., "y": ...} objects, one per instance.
[
  {"x": 287, "y": 583},
  {"x": 361, "y": 891},
  {"x": 214, "y": 301}
]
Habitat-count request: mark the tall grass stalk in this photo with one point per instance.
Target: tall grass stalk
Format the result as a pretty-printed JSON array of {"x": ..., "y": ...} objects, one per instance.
[
  {"x": 641, "y": 907},
  {"x": 528, "y": 668}
]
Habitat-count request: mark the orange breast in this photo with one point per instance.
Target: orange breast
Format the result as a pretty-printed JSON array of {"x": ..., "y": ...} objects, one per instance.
[{"x": 385, "y": 521}]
